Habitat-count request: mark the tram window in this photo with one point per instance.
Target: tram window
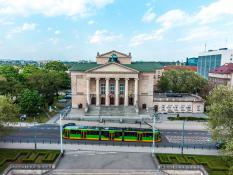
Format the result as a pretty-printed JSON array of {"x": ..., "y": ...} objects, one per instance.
[
  {"x": 118, "y": 134},
  {"x": 93, "y": 132},
  {"x": 130, "y": 134},
  {"x": 147, "y": 134},
  {"x": 105, "y": 133},
  {"x": 75, "y": 132}
]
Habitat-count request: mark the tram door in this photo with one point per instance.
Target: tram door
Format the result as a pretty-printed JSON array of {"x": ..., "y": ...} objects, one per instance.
[
  {"x": 139, "y": 135},
  {"x": 84, "y": 133},
  {"x": 111, "y": 136}
]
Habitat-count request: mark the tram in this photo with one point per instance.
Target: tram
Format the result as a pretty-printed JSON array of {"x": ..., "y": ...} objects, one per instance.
[{"x": 110, "y": 134}]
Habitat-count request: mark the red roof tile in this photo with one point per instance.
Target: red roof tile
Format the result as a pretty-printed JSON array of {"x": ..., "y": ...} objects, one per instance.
[
  {"x": 192, "y": 68},
  {"x": 225, "y": 69}
]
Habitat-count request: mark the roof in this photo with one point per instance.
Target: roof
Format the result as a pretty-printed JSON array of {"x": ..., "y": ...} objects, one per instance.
[
  {"x": 225, "y": 69},
  {"x": 176, "y": 97},
  {"x": 139, "y": 66},
  {"x": 192, "y": 68},
  {"x": 108, "y": 128}
]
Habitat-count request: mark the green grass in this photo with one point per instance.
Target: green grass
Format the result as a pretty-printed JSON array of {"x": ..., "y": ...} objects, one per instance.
[
  {"x": 8, "y": 156},
  {"x": 214, "y": 165},
  {"x": 188, "y": 118}
]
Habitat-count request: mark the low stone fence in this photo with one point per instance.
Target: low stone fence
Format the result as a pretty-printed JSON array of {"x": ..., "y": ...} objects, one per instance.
[
  {"x": 163, "y": 167},
  {"x": 32, "y": 166},
  {"x": 182, "y": 167}
]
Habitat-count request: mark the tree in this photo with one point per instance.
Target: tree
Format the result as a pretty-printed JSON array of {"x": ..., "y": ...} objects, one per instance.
[
  {"x": 181, "y": 81},
  {"x": 28, "y": 70},
  {"x": 29, "y": 102},
  {"x": 221, "y": 118},
  {"x": 8, "y": 110},
  {"x": 9, "y": 72},
  {"x": 56, "y": 66}
]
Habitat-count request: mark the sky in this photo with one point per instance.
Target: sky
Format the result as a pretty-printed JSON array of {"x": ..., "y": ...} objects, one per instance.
[{"x": 152, "y": 30}]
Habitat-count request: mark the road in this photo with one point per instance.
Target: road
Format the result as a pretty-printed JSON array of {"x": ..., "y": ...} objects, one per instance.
[{"x": 49, "y": 133}]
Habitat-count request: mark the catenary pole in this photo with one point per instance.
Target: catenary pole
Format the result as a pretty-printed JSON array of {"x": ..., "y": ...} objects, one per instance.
[{"x": 61, "y": 144}]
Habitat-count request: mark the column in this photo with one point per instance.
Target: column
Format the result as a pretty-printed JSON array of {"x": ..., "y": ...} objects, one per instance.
[
  {"x": 135, "y": 91},
  {"x": 88, "y": 91},
  {"x": 126, "y": 92},
  {"x": 117, "y": 92},
  {"x": 97, "y": 90},
  {"x": 107, "y": 92}
]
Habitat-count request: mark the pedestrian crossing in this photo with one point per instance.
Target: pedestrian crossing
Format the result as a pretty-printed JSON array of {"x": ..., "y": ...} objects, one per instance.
[{"x": 189, "y": 139}]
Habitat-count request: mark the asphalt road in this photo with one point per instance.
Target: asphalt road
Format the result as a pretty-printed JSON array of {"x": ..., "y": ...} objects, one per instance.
[{"x": 49, "y": 133}]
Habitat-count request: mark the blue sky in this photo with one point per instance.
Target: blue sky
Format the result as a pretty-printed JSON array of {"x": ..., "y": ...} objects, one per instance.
[{"x": 152, "y": 30}]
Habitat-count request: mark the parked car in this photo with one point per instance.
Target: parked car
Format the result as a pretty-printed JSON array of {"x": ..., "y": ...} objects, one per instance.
[
  {"x": 62, "y": 101},
  {"x": 69, "y": 124},
  {"x": 67, "y": 97},
  {"x": 220, "y": 145}
]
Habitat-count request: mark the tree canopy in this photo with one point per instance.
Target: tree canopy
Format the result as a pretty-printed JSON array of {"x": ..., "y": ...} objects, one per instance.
[
  {"x": 220, "y": 115},
  {"x": 56, "y": 66},
  {"x": 181, "y": 81},
  {"x": 30, "y": 102}
]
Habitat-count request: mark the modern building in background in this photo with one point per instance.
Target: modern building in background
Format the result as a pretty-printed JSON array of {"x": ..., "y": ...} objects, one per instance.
[
  {"x": 222, "y": 75},
  {"x": 191, "y": 61},
  {"x": 212, "y": 59}
]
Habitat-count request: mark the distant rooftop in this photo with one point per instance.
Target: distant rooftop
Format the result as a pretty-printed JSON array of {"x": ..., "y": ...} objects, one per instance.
[
  {"x": 191, "y": 68},
  {"x": 225, "y": 69}
]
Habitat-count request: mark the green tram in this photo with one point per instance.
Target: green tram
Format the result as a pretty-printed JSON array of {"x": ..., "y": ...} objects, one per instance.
[{"x": 112, "y": 134}]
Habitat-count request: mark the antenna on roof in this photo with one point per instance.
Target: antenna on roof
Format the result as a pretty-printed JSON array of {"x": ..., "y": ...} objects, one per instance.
[{"x": 205, "y": 47}]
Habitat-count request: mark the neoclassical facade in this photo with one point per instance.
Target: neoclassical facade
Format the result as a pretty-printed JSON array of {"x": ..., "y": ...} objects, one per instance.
[{"x": 114, "y": 80}]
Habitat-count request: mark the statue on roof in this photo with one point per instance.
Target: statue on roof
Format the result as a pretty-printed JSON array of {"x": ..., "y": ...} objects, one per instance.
[{"x": 113, "y": 58}]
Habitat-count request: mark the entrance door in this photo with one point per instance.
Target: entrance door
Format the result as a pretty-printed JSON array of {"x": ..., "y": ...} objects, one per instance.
[
  {"x": 93, "y": 100},
  {"x": 102, "y": 101},
  {"x": 112, "y": 100},
  {"x": 121, "y": 101},
  {"x": 130, "y": 100}
]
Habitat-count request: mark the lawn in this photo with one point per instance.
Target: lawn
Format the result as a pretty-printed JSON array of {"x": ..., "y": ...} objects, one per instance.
[
  {"x": 215, "y": 165},
  {"x": 188, "y": 118},
  {"x": 8, "y": 156}
]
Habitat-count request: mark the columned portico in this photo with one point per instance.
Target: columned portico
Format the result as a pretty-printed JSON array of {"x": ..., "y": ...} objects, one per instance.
[
  {"x": 97, "y": 91},
  {"x": 126, "y": 92},
  {"x": 107, "y": 92},
  {"x": 136, "y": 91},
  {"x": 117, "y": 92}
]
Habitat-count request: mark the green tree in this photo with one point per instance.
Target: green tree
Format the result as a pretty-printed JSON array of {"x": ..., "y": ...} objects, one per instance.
[
  {"x": 8, "y": 110},
  {"x": 220, "y": 112},
  {"x": 30, "y": 102},
  {"x": 9, "y": 72},
  {"x": 56, "y": 66},
  {"x": 28, "y": 70},
  {"x": 184, "y": 81}
]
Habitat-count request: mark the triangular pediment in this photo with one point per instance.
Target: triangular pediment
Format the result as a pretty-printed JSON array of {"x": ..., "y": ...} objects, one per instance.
[
  {"x": 109, "y": 54},
  {"x": 112, "y": 68}
]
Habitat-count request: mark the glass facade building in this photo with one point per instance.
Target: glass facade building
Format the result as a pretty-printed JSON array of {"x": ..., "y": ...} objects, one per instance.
[{"x": 208, "y": 62}]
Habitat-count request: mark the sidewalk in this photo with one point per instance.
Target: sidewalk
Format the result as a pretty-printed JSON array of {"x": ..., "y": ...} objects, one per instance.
[{"x": 108, "y": 148}]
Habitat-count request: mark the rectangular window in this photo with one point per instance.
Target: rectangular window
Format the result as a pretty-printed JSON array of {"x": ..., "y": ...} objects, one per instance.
[
  {"x": 163, "y": 107},
  {"x": 102, "y": 89},
  {"x": 122, "y": 88},
  {"x": 189, "y": 107},
  {"x": 198, "y": 108},
  {"x": 112, "y": 88},
  {"x": 182, "y": 107}
]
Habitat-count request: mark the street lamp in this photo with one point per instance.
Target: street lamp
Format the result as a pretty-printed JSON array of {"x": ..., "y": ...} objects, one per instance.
[
  {"x": 155, "y": 116},
  {"x": 35, "y": 133},
  {"x": 182, "y": 146},
  {"x": 61, "y": 144}
]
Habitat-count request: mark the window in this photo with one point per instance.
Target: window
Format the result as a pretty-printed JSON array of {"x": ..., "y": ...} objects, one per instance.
[
  {"x": 182, "y": 107},
  {"x": 175, "y": 108},
  {"x": 198, "y": 108},
  {"x": 75, "y": 132},
  {"x": 130, "y": 134},
  {"x": 90, "y": 132},
  {"x": 189, "y": 107},
  {"x": 112, "y": 88},
  {"x": 105, "y": 133},
  {"x": 102, "y": 89},
  {"x": 163, "y": 107},
  {"x": 122, "y": 88}
]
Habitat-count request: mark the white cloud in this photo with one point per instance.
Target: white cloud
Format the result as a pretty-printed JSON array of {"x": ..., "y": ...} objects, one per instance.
[
  {"x": 50, "y": 7},
  {"x": 19, "y": 29},
  {"x": 28, "y": 26},
  {"x": 103, "y": 36},
  {"x": 215, "y": 11},
  {"x": 149, "y": 16},
  {"x": 57, "y": 32},
  {"x": 200, "y": 33},
  {"x": 172, "y": 18},
  {"x": 91, "y": 22}
]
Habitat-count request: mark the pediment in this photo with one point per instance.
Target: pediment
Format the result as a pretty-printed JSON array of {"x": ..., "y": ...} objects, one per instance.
[
  {"x": 109, "y": 54},
  {"x": 112, "y": 68}
]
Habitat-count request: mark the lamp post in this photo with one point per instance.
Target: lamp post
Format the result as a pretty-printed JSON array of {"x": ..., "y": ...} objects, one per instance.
[
  {"x": 155, "y": 115},
  {"x": 182, "y": 146},
  {"x": 61, "y": 144},
  {"x": 35, "y": 133}
]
